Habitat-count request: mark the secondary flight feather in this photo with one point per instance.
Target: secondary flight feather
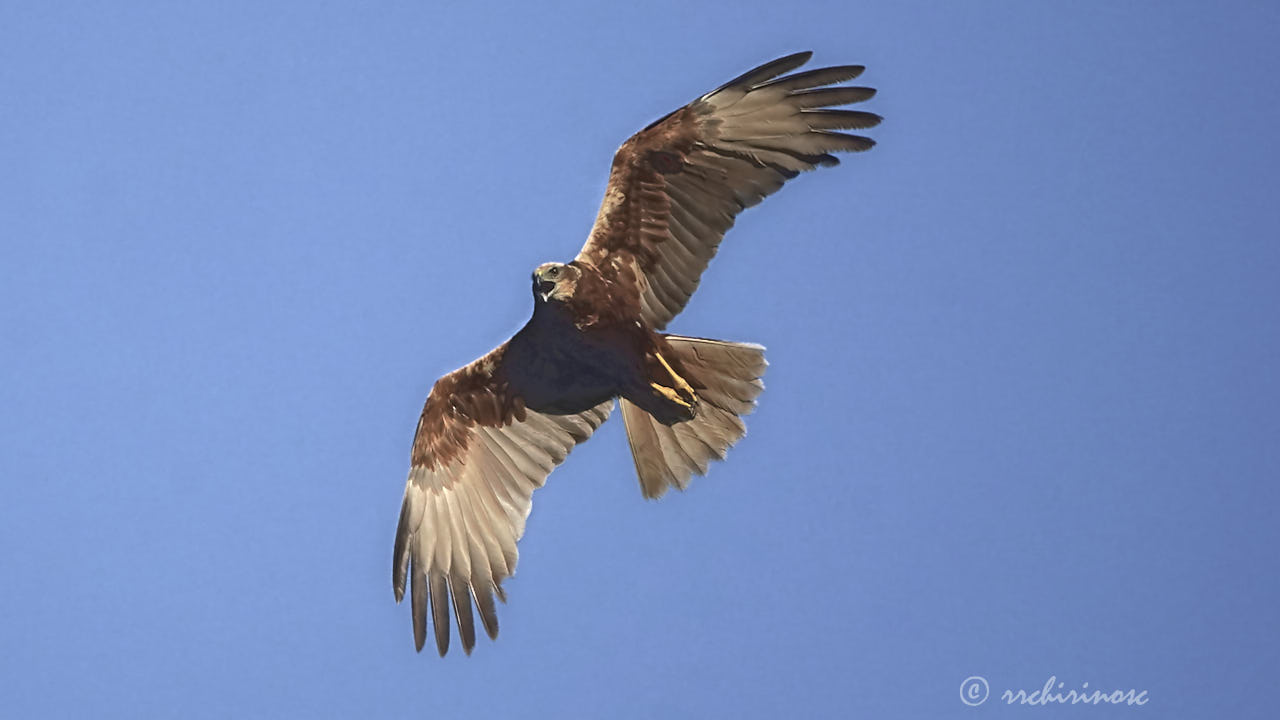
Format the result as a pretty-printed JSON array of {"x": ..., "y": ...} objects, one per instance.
[{"x": 491, "y": 432}]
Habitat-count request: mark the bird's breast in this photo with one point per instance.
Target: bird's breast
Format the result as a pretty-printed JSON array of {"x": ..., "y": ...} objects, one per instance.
[{"x": 560, "y": 368}]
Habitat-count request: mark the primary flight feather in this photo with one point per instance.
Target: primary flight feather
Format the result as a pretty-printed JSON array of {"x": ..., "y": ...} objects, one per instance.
[{"x": 492, "y": 431}]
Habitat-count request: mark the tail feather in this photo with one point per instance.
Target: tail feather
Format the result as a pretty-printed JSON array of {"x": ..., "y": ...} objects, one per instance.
[{"x": 726, "y": 377}]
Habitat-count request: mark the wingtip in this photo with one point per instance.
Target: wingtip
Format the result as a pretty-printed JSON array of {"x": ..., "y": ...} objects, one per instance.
[
  {"x": 442, "y": 643},
  {"x": 399, "y": 580},
  {"x": 764, "y": 73},
  {"x": 784, "y": 64}
]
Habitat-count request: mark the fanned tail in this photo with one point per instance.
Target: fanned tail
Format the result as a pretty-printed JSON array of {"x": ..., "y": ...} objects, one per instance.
[{"x": 726, "y": 376}]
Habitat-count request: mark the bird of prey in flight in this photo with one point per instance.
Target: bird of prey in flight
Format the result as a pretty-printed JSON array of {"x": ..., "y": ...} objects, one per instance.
[{"x": 492, "y": 431}]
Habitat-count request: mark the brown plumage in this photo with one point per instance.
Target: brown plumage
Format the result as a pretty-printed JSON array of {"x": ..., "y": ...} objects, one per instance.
[{"x": 492, "y": 431}]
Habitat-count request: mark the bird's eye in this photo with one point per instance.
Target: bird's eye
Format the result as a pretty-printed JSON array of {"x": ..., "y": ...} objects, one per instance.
[{"x": 553, "y": 271}]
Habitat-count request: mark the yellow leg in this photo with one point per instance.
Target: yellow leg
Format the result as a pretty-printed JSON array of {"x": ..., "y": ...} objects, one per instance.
[
  {"x": 680, "y": 382},
  {"x": 669, "y": 394}
]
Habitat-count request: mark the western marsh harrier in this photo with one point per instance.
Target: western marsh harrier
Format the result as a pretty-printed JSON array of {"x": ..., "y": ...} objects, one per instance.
[{"x": 492, "y": 431}]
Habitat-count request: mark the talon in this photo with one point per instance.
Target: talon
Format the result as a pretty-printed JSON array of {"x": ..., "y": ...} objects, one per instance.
[
  {"x": 680, "y": 382},
  {"x": 670, "y": 394}
]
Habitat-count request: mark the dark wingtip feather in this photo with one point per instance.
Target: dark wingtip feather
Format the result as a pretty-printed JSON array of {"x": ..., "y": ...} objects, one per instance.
[
  {"x": 853, "y": 70},
  {"x": 418, "y": 605},
  {"x": 865, "y": 142},
  {"x": 830, "y": 119},
  {"x": 488, "y": 613},
  {"x": 400, "y": 554},
  {"x": 814, "y": 78},
  {"x": 462, "y": 610},
  {"x": 832, "y": 96},
  {"x": 767, "y": 71},
  {"x": 440, "y": 612}
]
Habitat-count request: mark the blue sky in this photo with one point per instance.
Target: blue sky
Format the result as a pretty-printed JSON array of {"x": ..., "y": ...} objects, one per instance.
[{"x": 1021, "y": 417}]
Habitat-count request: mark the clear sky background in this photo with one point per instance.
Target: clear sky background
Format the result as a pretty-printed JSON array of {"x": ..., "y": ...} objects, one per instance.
[{"x": 1022, "y": 413}]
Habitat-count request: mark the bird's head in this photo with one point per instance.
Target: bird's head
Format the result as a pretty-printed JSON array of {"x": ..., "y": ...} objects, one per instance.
[{"x": 555, "y": 281}]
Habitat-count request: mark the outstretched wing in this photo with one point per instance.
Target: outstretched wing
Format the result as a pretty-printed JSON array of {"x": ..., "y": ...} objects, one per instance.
[
  {"x": 478, "y": 455},
  {"x": 677, "y": 185}
]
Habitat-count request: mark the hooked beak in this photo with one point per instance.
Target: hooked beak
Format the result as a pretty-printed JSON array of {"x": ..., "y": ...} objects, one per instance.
[{"x": 543, "y": 289}]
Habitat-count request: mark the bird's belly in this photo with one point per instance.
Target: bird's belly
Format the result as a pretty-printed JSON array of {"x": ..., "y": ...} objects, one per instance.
[{"x": 565, "y": 371}]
